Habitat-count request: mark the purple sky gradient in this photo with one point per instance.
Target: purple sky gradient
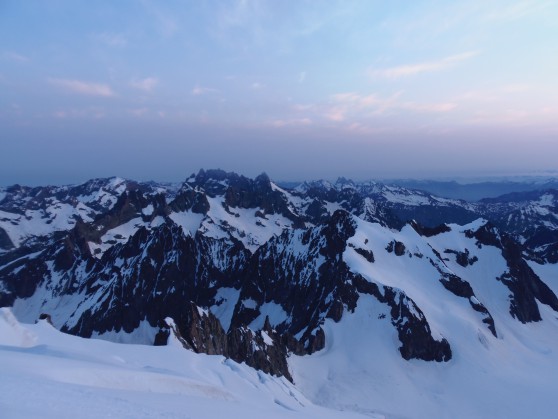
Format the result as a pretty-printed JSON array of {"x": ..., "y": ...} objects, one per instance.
[{"x": 299, "y": 89}]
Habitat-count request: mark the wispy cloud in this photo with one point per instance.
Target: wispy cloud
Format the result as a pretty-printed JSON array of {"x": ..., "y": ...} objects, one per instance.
[
  {"x": 13, "y": 56},
  {"x": 257, "y": 85},
  {"x": 516, "y": 88},
  {"x": 255, "y": 24},
  {"x": 280, "y": 123},
  {"x": 199, "y": 90},
  {"x": 138, "y": 112},
  {"x": 519, "y": 9},
  {"x": 83, "y": 87},
  {"x": 147, "y": 84},
  {"x": 303, "y": 107},
  {"x": 246, "y": 14},
  {"x": 93, "y": 112},
  {"x": 168, "y": 25},
  {"x": 302, "y": 77},
  {"x": 428, "y": 107},
  {"x": 336, "y": 114},
  {"x": 360, "y": 128},
  {"x": 503, "y": 94},
  {"x": 352, "y": 104},
  {"x": 346, "y": 106},
  {"x": 424, "y": 67},
  {"x": 164, "y": 20},
  {"x": 112, "y": 39}
]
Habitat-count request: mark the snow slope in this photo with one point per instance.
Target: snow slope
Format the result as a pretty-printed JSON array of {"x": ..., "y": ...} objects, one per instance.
[
  {"x": 63, "y": 376},
  {"x": 243, "y": 224},
  {"x": 548, "y": 272},
  {"x": 512, "y": 375},
  {"x": 513, "y": 379}
]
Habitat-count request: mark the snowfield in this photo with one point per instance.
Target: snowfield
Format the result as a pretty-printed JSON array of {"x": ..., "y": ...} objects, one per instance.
[
  {"x": 358, "y": 370},
  {"x": 48, "y": 374}
]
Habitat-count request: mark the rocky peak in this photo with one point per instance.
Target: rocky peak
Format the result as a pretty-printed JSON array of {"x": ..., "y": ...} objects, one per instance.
[
  {"x": 189, "y": 199},
  {"x": 200, "y": 331},
  {"x": 263, "y": 180},
  {"x": 340, "y": 227},
  {"x": 344, "y": 183},
  {"x": 429, "y": 231},
  {"x": 215, "y": 181}
]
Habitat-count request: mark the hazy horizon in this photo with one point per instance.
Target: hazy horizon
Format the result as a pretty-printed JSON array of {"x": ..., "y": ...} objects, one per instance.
[
  {"x": 526, "y": 177},
  {"x": 300, "y": 90}
]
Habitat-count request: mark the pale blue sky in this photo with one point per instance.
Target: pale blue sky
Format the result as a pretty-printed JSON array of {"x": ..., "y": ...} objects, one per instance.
[{"x": 299, "y": 89}]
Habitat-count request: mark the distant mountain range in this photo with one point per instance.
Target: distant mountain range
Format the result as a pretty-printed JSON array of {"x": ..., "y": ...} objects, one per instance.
[
  {"x": 478, "y": 190},
  {"x": 468, "y": 191}
]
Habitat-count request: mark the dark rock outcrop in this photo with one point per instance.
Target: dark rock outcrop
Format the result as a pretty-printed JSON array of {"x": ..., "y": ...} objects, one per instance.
[
  {"x": 200, "y": 331},
  {"x": 430, "y": 231},
  {"x": 5, "y": 241},
  {"x": 463, "y": 289},
  {"x": 462, "y": 258},
  {"x": 396, "y": 247},
  {"x": 412, "y": 327},
  {"x": 525, "y": 286}
]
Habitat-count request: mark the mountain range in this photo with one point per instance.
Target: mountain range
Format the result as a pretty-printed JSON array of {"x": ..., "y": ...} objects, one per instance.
[{"x": 349, "y": 290}]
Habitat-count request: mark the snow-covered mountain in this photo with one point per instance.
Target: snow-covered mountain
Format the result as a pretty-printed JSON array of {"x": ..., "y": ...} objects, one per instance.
[
  {"x": 317, "y": 284},
  {"x": 28, "y": 213},
  {"x": 531, "y": 217}
]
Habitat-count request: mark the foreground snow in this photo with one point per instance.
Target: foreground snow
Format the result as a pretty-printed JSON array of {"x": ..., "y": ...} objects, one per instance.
[
  {"x": 48, "y": 374},
  {"x": 513, "y": 376}
]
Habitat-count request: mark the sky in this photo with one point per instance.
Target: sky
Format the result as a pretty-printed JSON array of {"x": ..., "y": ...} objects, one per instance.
[{"x": 298, "y": 89}]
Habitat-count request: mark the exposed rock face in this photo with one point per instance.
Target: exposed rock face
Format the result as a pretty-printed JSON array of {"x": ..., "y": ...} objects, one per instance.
[
  {"x": 298, "y": 281},
  {"x": 430, "y": 231},
  {"x": 161, "y": 270},
  {"x": 23, "y": 276},
  {"x": 241, "y": 192},
  {"x": 46, "y": 317},
  {"x": 167, "y": 330},
  {"x": 368, "y": 254},
  {"x": 412, "y": 328},
  {"x": 525, "y": 286},
  {"x": 190, "y": 199},
  {"x": 300, "y": 289},
  {"x": 463, "y": 289},
  {"x": 261, "y": 350},
  {"x": 396, "y": 247},
  {"x": 201, "y": 332},
  {"x": 462, "y": 258},
  {"x": 5, "y": 241}
]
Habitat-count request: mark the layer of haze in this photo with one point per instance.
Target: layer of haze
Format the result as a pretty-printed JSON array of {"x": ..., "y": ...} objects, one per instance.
[{"x": 298, "y": 89}]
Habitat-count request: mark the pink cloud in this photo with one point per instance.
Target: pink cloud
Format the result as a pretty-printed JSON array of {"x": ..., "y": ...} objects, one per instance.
[
  {"x": 84, "y": 88},
  {"x": 425, "y": 67},
  {"x": 147, "y": 84}
]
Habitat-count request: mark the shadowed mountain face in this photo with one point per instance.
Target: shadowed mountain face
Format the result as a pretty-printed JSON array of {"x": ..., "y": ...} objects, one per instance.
[{"x": 252, "y": 271}]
